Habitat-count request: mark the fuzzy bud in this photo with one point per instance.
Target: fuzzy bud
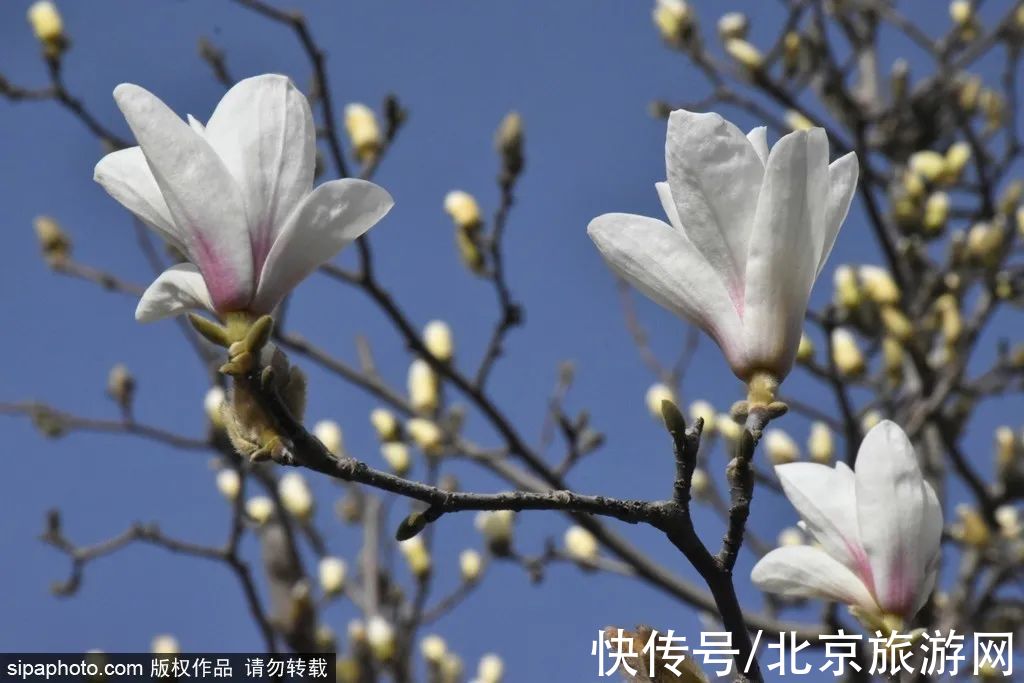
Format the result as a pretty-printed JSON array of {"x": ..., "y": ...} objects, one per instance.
[
  {"x": 380, "y": 635},
  {"x": 870, "y": 420},
  {"x": 229, "y": 483},
  {"x": 970, "y": 93},
  {"x": 744, "y": 53},
  {"x": 470, "y": 564},
  {"x": 805, "y": 351},
  {"x": 424, "y": 387},
  {"x": 54, "y": 242},
  {"x": 48, "y": 26},
  {"x": 896, "y": 324},
  {"x": 386, "y": 424},
  {"x": 984, "y": 243},
  {"x": 733, "y": 25},
  {"x": 417, "y": 555},
  {"x": 928, "y": 164},
  {"x": 847, "y": 289},
  {"x": 705, "y": 411},
  {"x": 936, "y": 212},
  {"x": 846, "y": 355},
  {"x": 820, "y": 445},
  {"x": 165, "y": 644},
  {"x": 470, "y": 251},
  {"x": 656, "y": 395},
  {"x": 674, "y": 20},
  {"x": 259, "y": 509},
  {"x": 699, "y": 483},
  {"x": 791, "y": 536},
  {"x": 213, "y": 404},
  {"x": 1006, "y": 447},
  {"x": 957, "y": 156},
  {"x": 581, "y": 545},
  {"x": 728, "y": 428},
  {"x": 1008, "y": 520},
  {"x": 433, "y": 648},
  {"x": 121, "y": 386},
  {"x": 950, "y": 321},
  {"x": 491, "y": 669},
  {"x": 427, "y": 435},
  {"x": 332, "y": 572},
  {"x": 797, "y": 121},
  {"x": 396, "y": 455},
  {"x": 495, "y": 525},
  {"x": 330, "y": 436},
  {"x": 463, "y": 209},
  {"x": 892, "y": 358},
  {"x": 879, "y": 285},
  {"x": 437, "y": 337},
  {"x": 508, "y": 141},
  {"x": 971, "y": 529},
  {"x": 780, "y": 447},
  {"x": 363, "y": 131},
  {"x": 296, "y": 497}
]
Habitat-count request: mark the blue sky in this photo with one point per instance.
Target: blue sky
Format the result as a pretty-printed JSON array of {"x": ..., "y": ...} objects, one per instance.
[{"x": 581, "y": 74}]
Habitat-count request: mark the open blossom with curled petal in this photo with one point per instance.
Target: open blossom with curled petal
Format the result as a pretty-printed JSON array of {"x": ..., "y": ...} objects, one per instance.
[
  {"x": 234, "y": 196},
  {"x": 749, "y": 230},
  {"x": 878, "y": 527}
]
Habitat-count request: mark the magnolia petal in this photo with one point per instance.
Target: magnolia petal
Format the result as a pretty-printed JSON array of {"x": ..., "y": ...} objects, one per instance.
[
  {"x": 203, "y": 199},
  {"x": 825, "y": 498},
  {"x": 196, "y": 125},
  {"x": 785, "y": 247},
  {"x": 715, "y": 175},
  {"x": 176, "y": 290},
  {"x": 263, "y": 130},
  {"x": 665, "y": 266},
  {"x": 759, "y": 141},
  {"x": 842, "y": 183},
  {"x": 126, "y": 177},
  {"x": 896, "y": 516},
  {"x": 804, "y": 571},
  {"x": 332, "y": 216},
  {"x": 668, "y": 204}
]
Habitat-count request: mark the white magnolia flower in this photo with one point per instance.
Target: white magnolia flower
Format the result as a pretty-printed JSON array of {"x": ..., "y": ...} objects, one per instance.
[
  {"x": 235, "y": 197},
  {"x": 878, "y": 528},
  {"x": 749, "y": 231}
]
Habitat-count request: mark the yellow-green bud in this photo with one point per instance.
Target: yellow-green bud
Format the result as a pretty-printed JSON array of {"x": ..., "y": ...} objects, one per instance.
[
  {"x": 424, "y": 387},
  {"x": 1009, "y": 521},
  {"x": 332, "y": 571},
  {"x": 733, "y": 25},
  {"x": 165, "y": 644},
  {"x": 984, "y": 243},
  {"x": 330, "y": 435},
  {"x": 48, "y": 26},
  {"x": 363, "y": 131},
  {"x": 433, "y": 648},
  {"x": 416, "y": 554},
  {"x": 674, "y": 20},
  {"x": 121, "y": 385},
  {"x": 495, "y": 525},
  {"x": 780, "y": 447},
  {"x": 259, "y": 509},
  {"x": 847, "y": 289},
  {"x": 426, "y": 434},
  {"x": 470, "y": 564},
  {"x": 396, "y": 455},
  {"x": 437, "y": 337},
  {"x": 820, "y": 445},
  {"x": 385, "y": 423},
  {"x": 700, "y": 483},
  {"x": 728, "y": 428},
  {"x": 657, "y": 393},
  {"x": 797, "y": 121},
  {"x": 491, "y": 669},
  {"x": 971, "y": 529},
  {"x": 936, "y": 212},
  {"x": 805, "y": 351},
  {"x": 296, "y": 497},
  {"x": 928, "y": 164},
  {"x": 581, "y": 545},
  {"x": 705, "y": 411},
  {"x": 892, "y": 358},
  {"x": 791, "y": 536},
  {"x": 957, "y": 156},
  {"x": 746, "y": 54},
  {"x": 229, "y": 483},
  {"x": 380, "y": 635},
  {"x": 54, "y": 242},
  {"x": 897, "y": 324},
  {"x": 213, "y": 404},
  {"x": 846, "y": 355},
  {"x": 870, "y": 420},
  {"x": 463, "y": 209}
]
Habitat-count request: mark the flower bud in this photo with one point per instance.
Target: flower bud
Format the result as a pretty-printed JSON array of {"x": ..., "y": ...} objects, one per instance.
[
  {"x": 54, "y": 242},
  {"x": 427, "y": 435},
  {"x": 928, "y": 164},
  {"x": 437, "y": 337},
  {"x": 463, "y": 209},
  {"x": 896, "y": 324},
  {"x": 899, "y": 77},
  {"x": 1008, "y": 520},
  {"x": 820, "y": 444},
  {"x": 417, "y": 555},
  {"x": 791, "y": 47},
  {"x": 165, "y": 644},
  {"x": 121, "y": 386},
  {"x": 914, "y": 187},
  {"x": 296, "y": 497},
  {"x": 703, "y": 410},
  {"x": 957, "y": 156},
  {"x": 805, "y": 351},
  {"x": 332, "y": 572},
  {"x": 363, "y": 131},
  {"x": 993, "y": 106},
  {"x": 699, "y": 483},
  {"x": 879, "y": 285},
  {"x": 433, "y": 648},
  {"x": 892, "y": 358},
  {"x": 797, "y": 121},
  {"x": 396, "y": 455},
  {"x": 950, "y": 322},
  {"x": 491, "y": 669},
  {"x": 386, "y": 424},
  {"x": 380, "y": 635},
  {"x": 728, "y": 428},
  {"x": 870, "y": 420},
  {"x": 470, "y": 564},
  {"x": 791, "y": 536},
  {"x": 674, "y": 20},
  {"x": 656, "y": 395},
  {"x": 744, "y": 53},
  {"x": 330, "y": 436},
  {"x": 971, "y": 529},
  {"x": 259, "y": 509},
  {"x": 48, "y": 26},
  {"x": 733, "y": 25},
  {"x": 470, "y": 251},
  {"x": 1006, "y": 447},
  {"x": 581, "y": 545},
  {"x": 970, "y": 93},
  {"x": 847, "y": 289},
  {"x": 229, "y": 483},
  {"x": 961, "y": 12},
  {"x": 846, "y": 355},
  {"x": 936, "y": 212},
  {"x": 213, "y": 404},
  {"x": 1011, "y": 197},
  {"x": 508, "y": 141},
  {"x": 780, "y": 447},
  {"x": 495, "y": 525},
  {"x": 424, "y": 387},
  {"x": 451, "y": 668},
  {"x": 984, "y": 243}
]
